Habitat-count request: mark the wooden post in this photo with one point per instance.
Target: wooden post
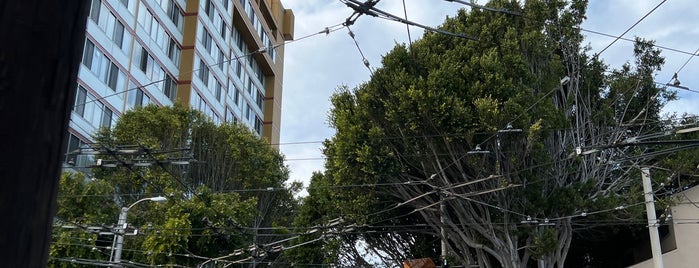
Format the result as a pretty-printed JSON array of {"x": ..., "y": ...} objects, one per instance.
[{"x": 41, "y": 44}]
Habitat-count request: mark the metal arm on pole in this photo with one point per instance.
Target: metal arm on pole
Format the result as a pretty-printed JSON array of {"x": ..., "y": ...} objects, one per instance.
[{"x": 121, "y": 227}]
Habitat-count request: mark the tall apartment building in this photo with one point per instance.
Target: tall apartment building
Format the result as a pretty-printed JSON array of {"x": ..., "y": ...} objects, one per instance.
[{"x": 223, "y": 57}]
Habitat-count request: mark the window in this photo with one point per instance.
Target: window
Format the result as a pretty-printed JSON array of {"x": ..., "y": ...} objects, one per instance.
[
  {"x": 113, "y": 76},
  {"x": 147, "y": 64},
  {"x": 208, "y": 7},
  {"x": 221, "y": 59},
  {"x": 102, "y": 67},
  {"x": 248, "y": 112},
  {"x": 95, "y": 10},
  {"x": 137, "y": 98},
  {"x": 91, "y": 109},
  {"x": 80, "y": 98},
  {"x": 175, "y": 14},
  {"x": 141, "y": 58},
  {"x": 74, "y": 143},
  {"x": 170, "y": 88},
  {"x": 236, "y": 99},
  {"x": 258, "y": 125},
  {"x": 145, "y": 18},
  {"x": 119, "y": 35},
  {"x": 233, "y": 93},
  {"x": 220, "y": 26},
  {"x": 195, "y": 101},
  {"x": 250, "y": 86},
  {"x": 229, "y": 115},
  {"x": 173, "y": 52},
  {"x": 251, "y": 12},
  {"x": 218, "y": 91},
  {"x": 259, "y": 99},
  {"x": 203, "y": 73},
  {"x": 206, "y": 39},
  {"x": 87, "y": 53},
  {"x": 106, "y": 117},
  {"x": 271, "y": 50}
]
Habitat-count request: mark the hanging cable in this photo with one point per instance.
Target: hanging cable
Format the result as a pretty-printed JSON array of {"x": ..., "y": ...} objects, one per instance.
[
  {"x": 486, "y": 8},
  {"x": 364, "y": 59},
  {"x": 326, "y": 30},
  {"x": 369, "y": 9},
  {"x": 629, "y": 29}
]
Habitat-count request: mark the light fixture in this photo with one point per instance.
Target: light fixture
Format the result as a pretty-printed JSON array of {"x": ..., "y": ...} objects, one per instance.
[
  {"x": 87, "y": 151},
  {"x": 686, "y": 130},
  {"x": 565, "y": 80},
  {"x": 529, "y": 220},
  {"x": 179, "y": 162},
  {"x": 477, "y": 150},
  {"x": 509, "y": 128},
  {"x": 158, "y": 199},
  {"x": 579, "y": 151},
  {"x": 547, "y": 223},
  {"x": 103, "y": 163},
  {"x": 141, "y": 164}
]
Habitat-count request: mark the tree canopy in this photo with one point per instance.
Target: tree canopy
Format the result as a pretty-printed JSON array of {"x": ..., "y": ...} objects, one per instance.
[
  {"x": 499, "y": 147},
  {"x": 224, "y": 187}
]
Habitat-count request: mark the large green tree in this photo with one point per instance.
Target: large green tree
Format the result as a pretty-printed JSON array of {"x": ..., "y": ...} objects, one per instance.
[
  {"x": 496, "y": 147},
  {"x": 224, "y": 185}
]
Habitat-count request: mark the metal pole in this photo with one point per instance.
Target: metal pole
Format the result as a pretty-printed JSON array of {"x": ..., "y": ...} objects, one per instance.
[
  {"x": 442, "y": 211},
  {"x": 121, "y": 229},
  {"x": 652, "y": 221}
]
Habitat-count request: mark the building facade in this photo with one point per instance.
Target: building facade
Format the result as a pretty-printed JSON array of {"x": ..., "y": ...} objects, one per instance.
[
  {"x": 679, "y": 241},
  {"x": 222, "y": 57}
]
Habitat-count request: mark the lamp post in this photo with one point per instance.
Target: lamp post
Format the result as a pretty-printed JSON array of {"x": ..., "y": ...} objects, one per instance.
[{"x": 121, "y": 227}]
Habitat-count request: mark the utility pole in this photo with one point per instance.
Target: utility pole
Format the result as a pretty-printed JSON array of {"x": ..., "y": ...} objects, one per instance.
[
  {"x": 652, "y": 221},
  {"x": 40, "y": 52},
  {"x": 442, "y": 211},
  {"x": 121, "y": 229}
]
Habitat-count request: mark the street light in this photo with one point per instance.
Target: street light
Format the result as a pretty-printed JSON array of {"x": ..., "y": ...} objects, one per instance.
[{"x": 121, "y": 225}]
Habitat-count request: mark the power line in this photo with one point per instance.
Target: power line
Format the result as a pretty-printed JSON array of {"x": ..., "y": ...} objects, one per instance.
[
  {"x": 326, "y": 30},
  {"x": 629, "y": 29},
  {"x": 499, "y": 10},
  {"x": 407, "y": 27},
  {"x": 369, "y": 9},
  {"x": 632, "y": 40},
  {"x": 364, "y": 59}
]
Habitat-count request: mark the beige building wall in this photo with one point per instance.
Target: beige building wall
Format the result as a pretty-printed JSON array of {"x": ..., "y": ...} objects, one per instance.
[
  {"x": 684, "y": 232},
  {"x": 277, "y": 22}
]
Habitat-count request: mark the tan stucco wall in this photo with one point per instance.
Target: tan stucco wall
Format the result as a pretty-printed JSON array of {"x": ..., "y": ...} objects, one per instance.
[{"x": 686, "y": 233}]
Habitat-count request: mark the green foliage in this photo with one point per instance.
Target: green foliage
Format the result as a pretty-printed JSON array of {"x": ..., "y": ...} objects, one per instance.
[
  {"x": 82, "y": 202},
  {"x": 232, "y": 188},
  {"x": 433, "y": 102}
]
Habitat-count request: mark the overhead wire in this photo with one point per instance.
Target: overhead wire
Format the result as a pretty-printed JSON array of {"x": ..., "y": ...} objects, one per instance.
[
  {"x": 628, "y": 29},
  {"x": 473, "y": 5},
  {"x": 407, "y": 27},
  {"x": 448, "y": 135},
  {"x": 369, "y": 8},
  {"x": 326, "y": 30},
  {"x": 356, "y": 43},
  {"x": 632, "y": 40},
  {"x": 355, "y": 40}
]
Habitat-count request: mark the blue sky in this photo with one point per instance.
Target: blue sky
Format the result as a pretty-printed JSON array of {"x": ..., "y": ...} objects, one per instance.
[{"x": 316, "y": 66}]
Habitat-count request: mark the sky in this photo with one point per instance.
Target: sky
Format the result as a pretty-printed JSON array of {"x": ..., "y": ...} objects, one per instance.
[{"x": 315, "y": 67}]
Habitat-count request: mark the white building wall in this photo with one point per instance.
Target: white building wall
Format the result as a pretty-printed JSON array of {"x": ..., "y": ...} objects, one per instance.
[{"x": 686, "y": 233}]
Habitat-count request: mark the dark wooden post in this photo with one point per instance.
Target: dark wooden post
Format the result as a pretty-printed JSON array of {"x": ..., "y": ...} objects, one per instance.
[{"x": 41, "y": 44}]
